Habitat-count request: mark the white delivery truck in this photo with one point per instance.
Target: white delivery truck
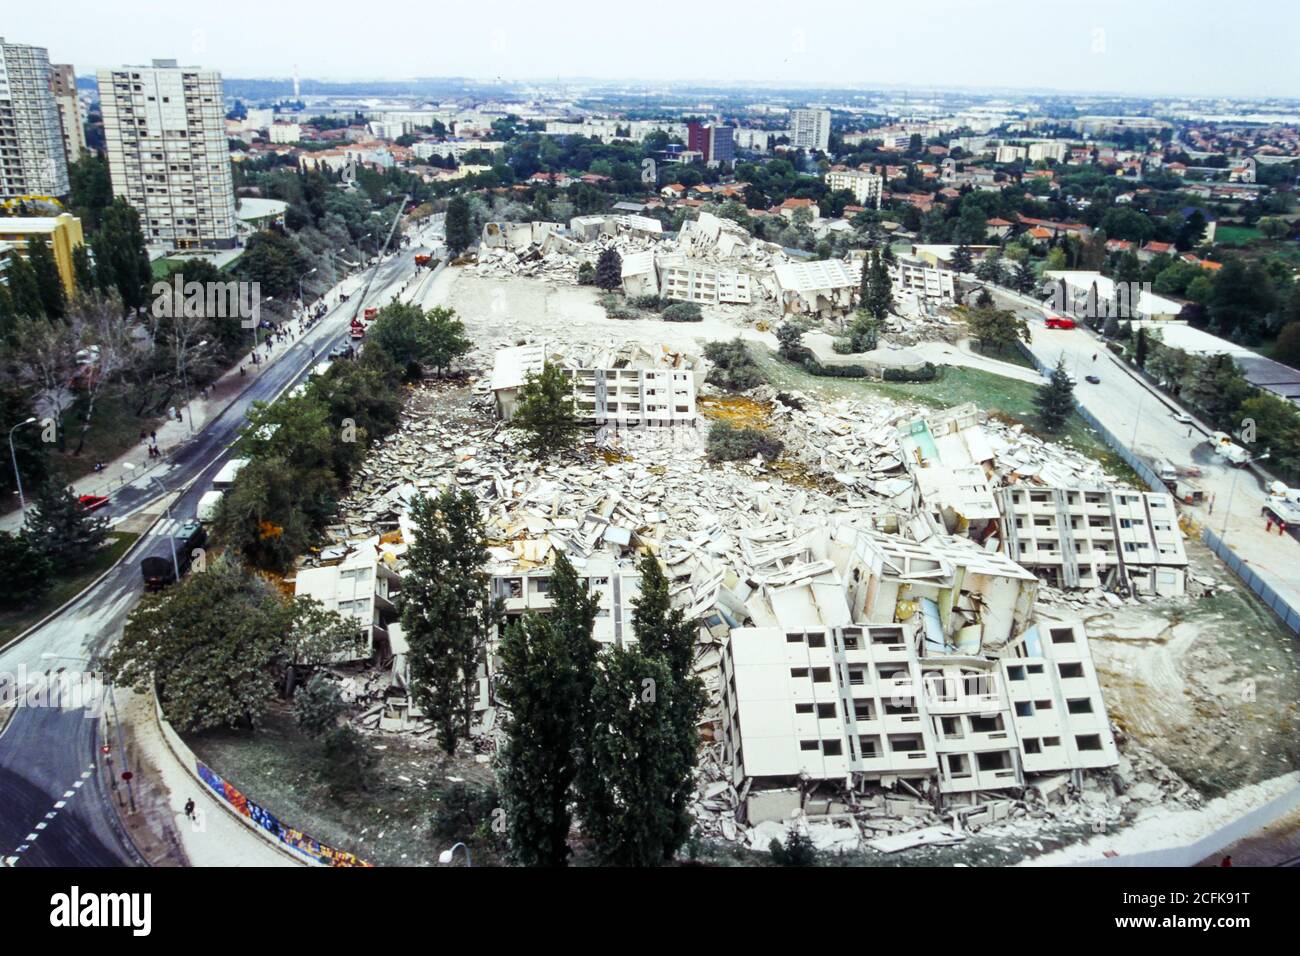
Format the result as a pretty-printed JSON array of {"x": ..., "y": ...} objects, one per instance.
[
  {"x": 229, "y": 471},
  {"x": 207, "y": 509}
]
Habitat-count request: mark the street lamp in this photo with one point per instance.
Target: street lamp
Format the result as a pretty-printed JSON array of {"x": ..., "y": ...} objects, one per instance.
[
  {"x": 185, "y": 384},
  {"x": 171, "y": 538},
  {"x": 1227, "y": 512},
  {"x": 446, "y": 856},
  {"x": 301, "y": 303},
  {"x": 22, "y": 502}
]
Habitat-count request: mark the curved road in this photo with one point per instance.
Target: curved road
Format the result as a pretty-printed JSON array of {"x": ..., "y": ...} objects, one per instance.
[{"x": 55, "y": 809}]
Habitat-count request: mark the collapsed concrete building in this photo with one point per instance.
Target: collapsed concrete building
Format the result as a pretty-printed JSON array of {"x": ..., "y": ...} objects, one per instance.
[
  {"x": 1094, "y": 537},
  {"x": 823, "y": 289},
  {"x": 629, "y": 387},
  {"x": 895, "y": 662},
  {"x": 360, "y": 585}
]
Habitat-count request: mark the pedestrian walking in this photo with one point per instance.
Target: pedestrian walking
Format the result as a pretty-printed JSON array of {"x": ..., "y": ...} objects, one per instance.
[{"x": 189, "y": 808}]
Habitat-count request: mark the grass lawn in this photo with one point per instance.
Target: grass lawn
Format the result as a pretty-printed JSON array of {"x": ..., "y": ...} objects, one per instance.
[
  {"x": 1001, "y": 397},
  {"x": 1236, "y": 235},
  {"x": 13, "y": 623},
  {"x": 114, "y": 429}
]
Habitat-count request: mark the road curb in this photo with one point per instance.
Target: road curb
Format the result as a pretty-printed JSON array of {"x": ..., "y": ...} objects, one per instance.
[{"x": 77, "y": 597}]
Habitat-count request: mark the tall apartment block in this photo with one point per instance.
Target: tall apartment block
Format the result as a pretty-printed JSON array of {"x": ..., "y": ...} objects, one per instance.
[
  {"x": 32, "y": 159},
  {"x": 165, "y": 129},
  {"x": 810, "y": 129},
  {"x": 63, "y": 84}
]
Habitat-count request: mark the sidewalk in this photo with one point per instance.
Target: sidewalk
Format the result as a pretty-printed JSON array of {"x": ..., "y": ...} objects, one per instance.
[
  {"x": 195, "y": 414},
  {"x": 213, "y": 837}
]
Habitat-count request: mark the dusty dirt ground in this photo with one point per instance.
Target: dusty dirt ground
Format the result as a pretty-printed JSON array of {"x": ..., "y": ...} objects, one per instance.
[{"x": 1210, "y": 685}]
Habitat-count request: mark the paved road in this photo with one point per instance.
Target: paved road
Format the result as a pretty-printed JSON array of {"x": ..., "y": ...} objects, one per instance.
[
  {"x": 1144, "y": 419},
  {"x": 45, "y": 750}
]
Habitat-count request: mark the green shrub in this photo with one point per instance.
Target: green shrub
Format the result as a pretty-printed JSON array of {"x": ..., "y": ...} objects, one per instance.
[
  {"x": 733, "y": 367},
  {"x": 739, "y": 444},
  {"x": 798, "y": 850},
  {"x": 682, "y": 312},
  {"x": 927, "y": 373}
]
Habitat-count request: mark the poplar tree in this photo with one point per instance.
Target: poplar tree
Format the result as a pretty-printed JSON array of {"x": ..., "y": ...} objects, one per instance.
[
  {"x": 447, "y": 611},
  {"x": 547, "y": 675}
]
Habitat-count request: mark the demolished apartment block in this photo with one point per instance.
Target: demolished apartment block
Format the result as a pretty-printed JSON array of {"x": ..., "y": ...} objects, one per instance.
[
  {"x": 631, "y": 386},
  {"x": 640, "y": 277},
  {"x": 1095, "y": 537},
  {"x": 683, "y": 281},
  {"x": 949, "y": 456},
  {"x": 897, "y": 662},
  {"x": 614, "y": 583},
  {"x": 362, "y": 586},
  {"x": 518, "y": 235},
  {"x": 823, "y": 289},
  {"x": 591, "y": 228}
]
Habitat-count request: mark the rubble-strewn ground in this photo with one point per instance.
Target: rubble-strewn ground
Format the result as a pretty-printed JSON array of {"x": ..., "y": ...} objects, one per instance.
[
  {"x": 1174, "y": 671},
  {"x": 1210, "y": 684},
  {"x": 387, "y": 824}
]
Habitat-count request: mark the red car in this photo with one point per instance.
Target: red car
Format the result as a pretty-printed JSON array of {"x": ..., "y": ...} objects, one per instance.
[
  {"x": 1059, "y": 322},
  {"x": 92, "y": 502}
]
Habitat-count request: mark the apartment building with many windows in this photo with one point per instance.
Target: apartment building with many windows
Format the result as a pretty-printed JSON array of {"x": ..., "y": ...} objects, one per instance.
[
  {"x": 1095, "y": 537},
  {"x": 866, "y": 187},
  {"x": 32, "y": 157},
  {"x": 63, "y": 83},
  {"x": 167, "y": 153},
  {"x": 810, "y": 129}
]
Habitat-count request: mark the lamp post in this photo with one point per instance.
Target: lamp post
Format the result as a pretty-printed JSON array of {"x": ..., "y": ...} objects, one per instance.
[
  {"x": 22, "y": 502},
  {"x": 301, "y": 302},
  {"x": 1227, "y": 512},
  {"x": 185, "y": 383},
  {"x": 171, "y": 538},
  {"x": 446, "y": 856}
]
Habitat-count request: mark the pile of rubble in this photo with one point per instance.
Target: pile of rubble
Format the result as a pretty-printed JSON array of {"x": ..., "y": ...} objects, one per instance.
[{"x": 726, "y": 535}]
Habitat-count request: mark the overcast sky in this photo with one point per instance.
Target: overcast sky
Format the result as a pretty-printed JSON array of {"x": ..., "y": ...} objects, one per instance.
[{"x": 1243, "y": 48}]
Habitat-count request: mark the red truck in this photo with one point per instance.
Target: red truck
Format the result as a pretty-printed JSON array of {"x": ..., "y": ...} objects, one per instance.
[
  {"x": 1059, "y": 322},
  {"x": 422, "y": 260},
  {"x": 358, "y": 329},
  {"x": 371, "y": 313}
]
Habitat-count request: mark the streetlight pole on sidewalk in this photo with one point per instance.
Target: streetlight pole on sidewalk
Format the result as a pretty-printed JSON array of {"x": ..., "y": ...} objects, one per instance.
[
  {"x": 185, "y": 384},
  {"x": 22, "y": 502},
  {"x": 1227, "y": 512}
]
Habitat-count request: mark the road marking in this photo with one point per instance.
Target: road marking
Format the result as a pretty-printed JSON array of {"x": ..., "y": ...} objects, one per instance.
[{"x": 51, "y": 815}]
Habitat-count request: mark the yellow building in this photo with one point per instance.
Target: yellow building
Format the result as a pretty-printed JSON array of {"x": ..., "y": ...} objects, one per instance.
[{"x": 62, "y": 234}]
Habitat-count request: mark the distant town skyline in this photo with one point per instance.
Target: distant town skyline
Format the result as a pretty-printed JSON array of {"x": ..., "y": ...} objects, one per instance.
[{"x": 1104, "y": 46}]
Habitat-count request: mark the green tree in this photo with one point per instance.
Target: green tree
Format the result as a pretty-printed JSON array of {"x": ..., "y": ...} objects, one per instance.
[
  {"x": 61, "y": 529},
  {"x": 789, "y": 336},
  {"x": 546, "y": 412},
  {"x": 121, "y": 257},
  {"x": 25, "y": 571},
  {"x": 961, "y": 258},
  {"x": 317, "y": 706},
  {"x": 1055, "y": 400},
  {"x": 447, "y": 612},
  {"x": 459, "y": 230},
  {"x": 996, "y": 330},
  {"x": 798, "y": 850},
  {"x": 664, "y": 633},
  {"x": 628, "y": 780},
  {"x": 880, "y": 290},
  {"x": 1140, "y": 349},
  {"x": 217, "y": 644},
  {"x": 49, "y": 284},
  {"x": 990, "y": 268},
  {"x": 544, "y": 690},
  {"x": 1024, "y": 280},
  {"x": 414, "y": 338},
  {"x": 609, "y": 270},
  {"x": 24, "y": 291}
]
